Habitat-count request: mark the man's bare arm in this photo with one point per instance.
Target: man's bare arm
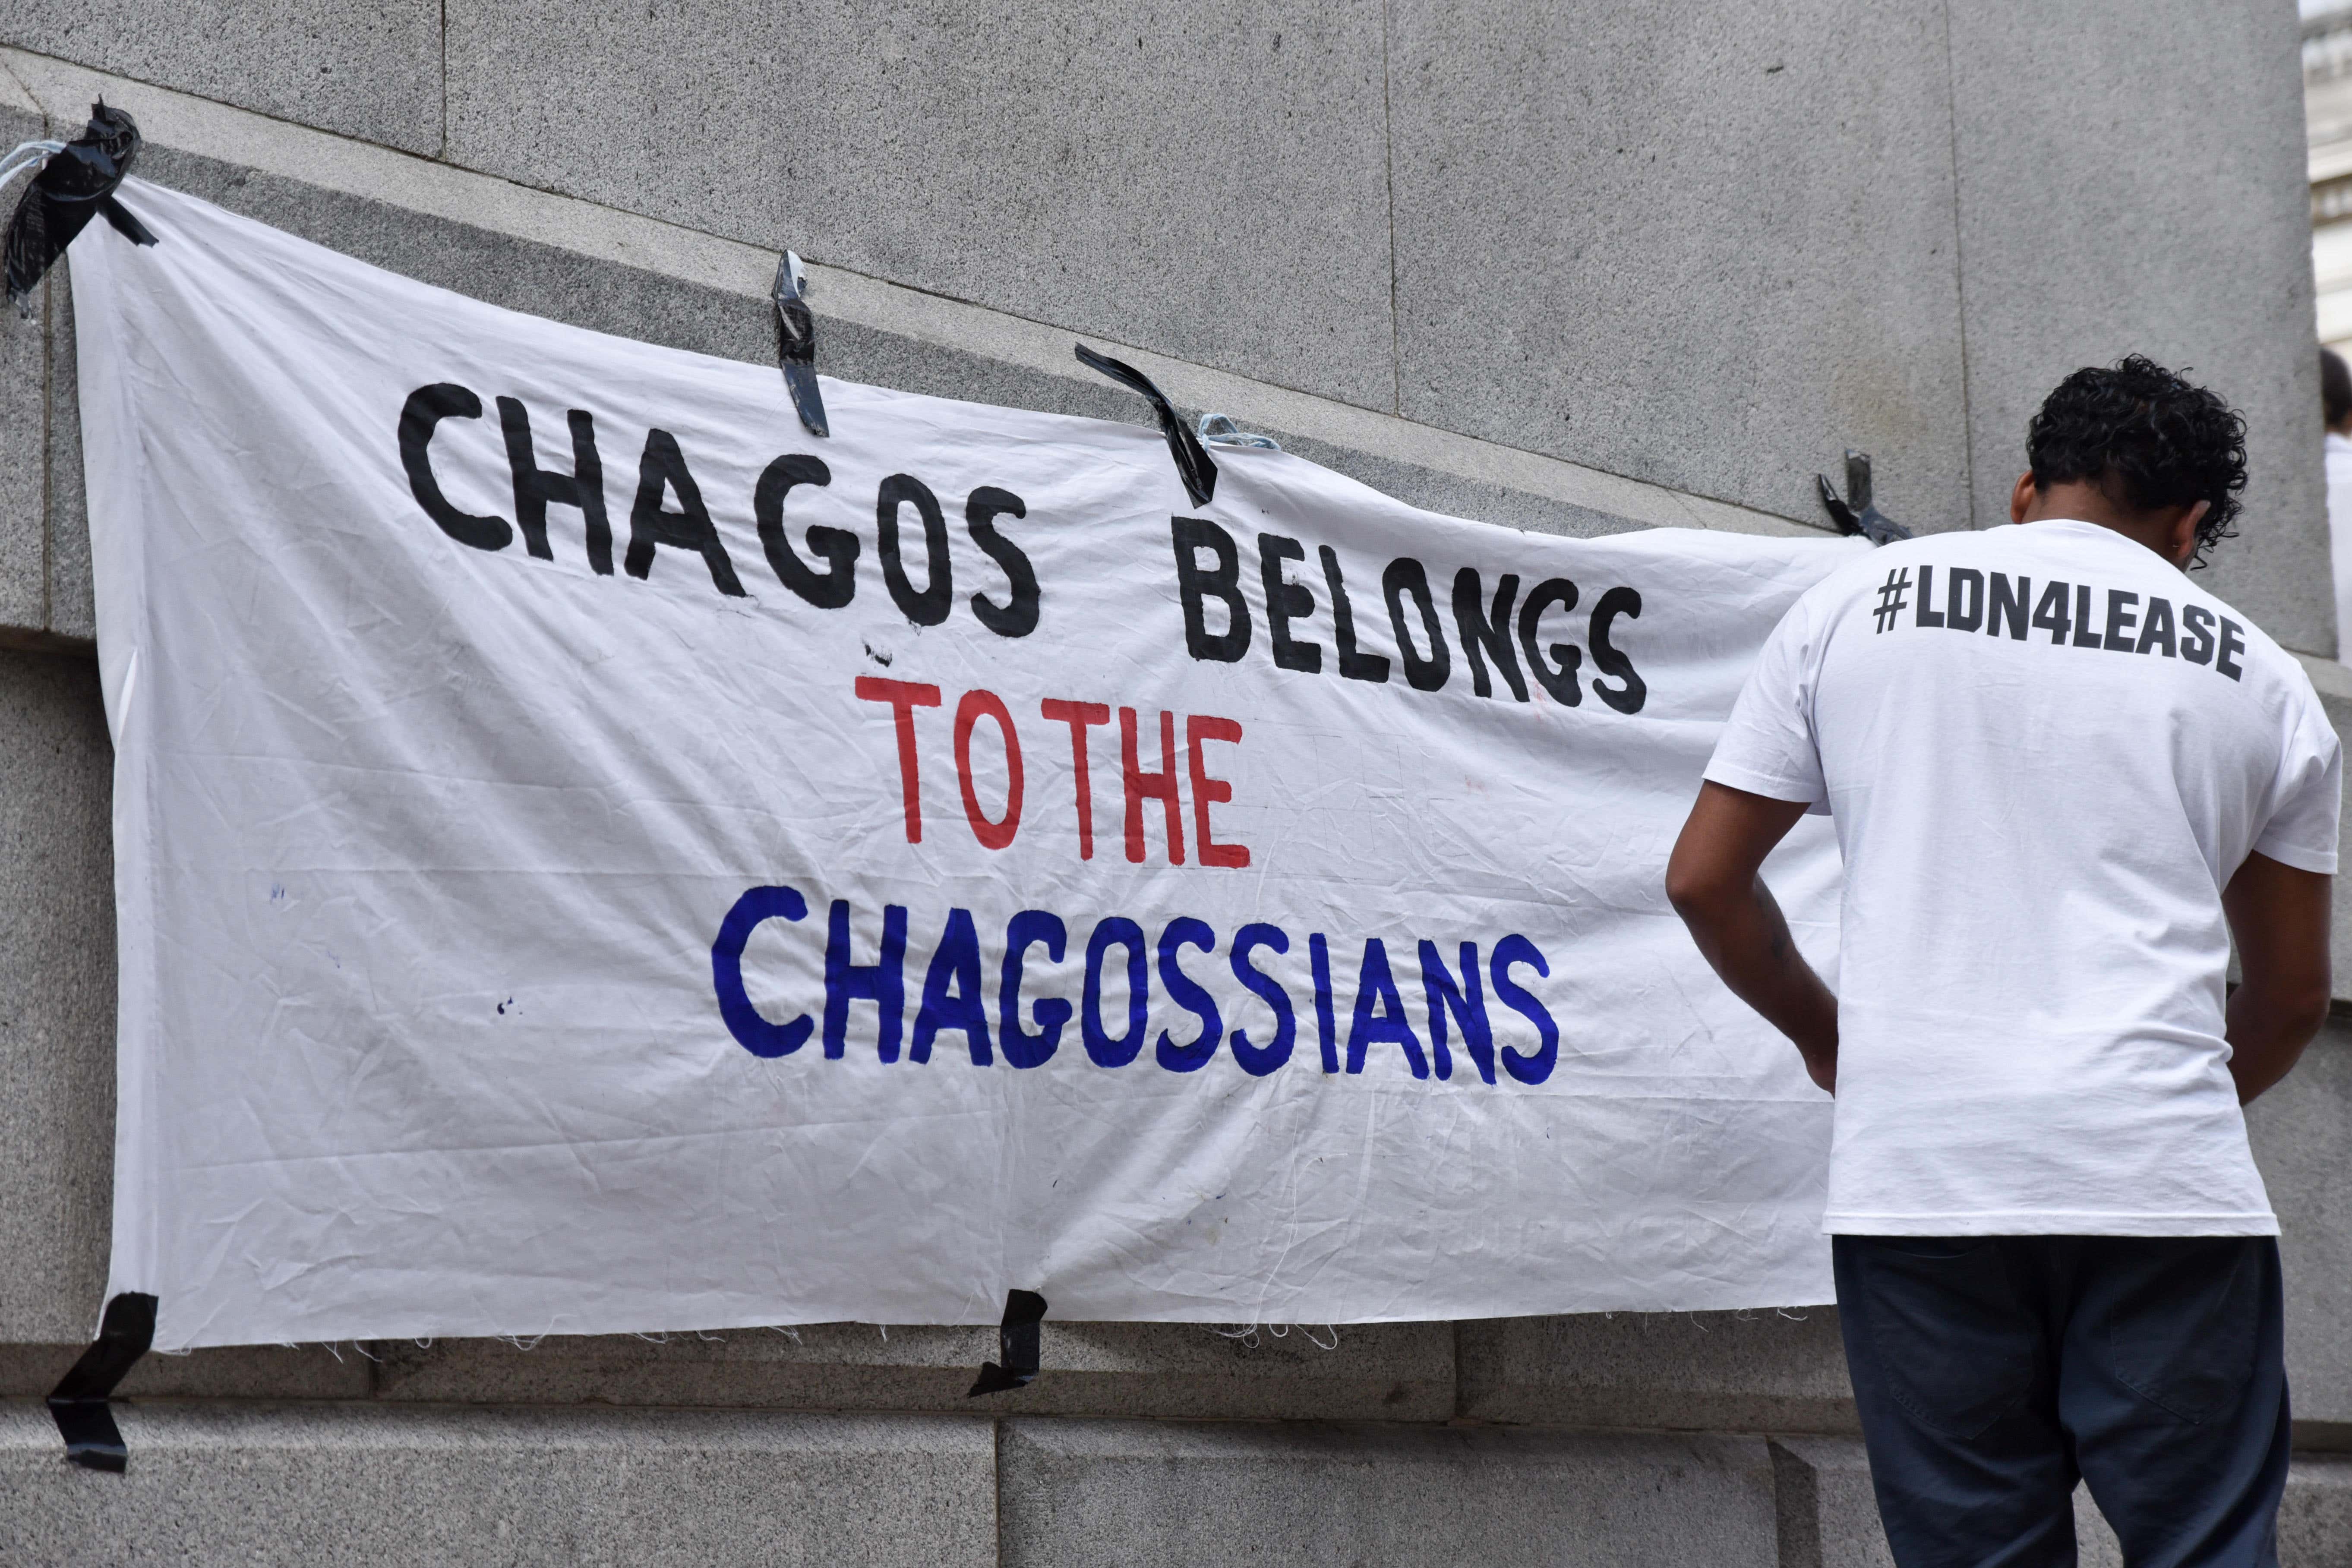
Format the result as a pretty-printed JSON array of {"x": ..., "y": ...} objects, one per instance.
[
  {"x": 1713, "y": 882},
  {"x": 2279, "y": 916}
]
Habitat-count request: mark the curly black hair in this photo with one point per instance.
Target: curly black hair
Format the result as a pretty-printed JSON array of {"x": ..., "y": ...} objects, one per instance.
[{"x": 2148, "y": 438}]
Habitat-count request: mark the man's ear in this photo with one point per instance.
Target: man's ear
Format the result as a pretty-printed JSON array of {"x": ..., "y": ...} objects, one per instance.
[
  {"x": 2183, "y": 537},
  {"x": 2020, "y": 496}
]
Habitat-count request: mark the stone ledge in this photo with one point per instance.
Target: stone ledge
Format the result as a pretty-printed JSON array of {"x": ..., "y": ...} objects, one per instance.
[
  {"x": 34, "y": 640},
  {"x": 1402, "y": 1371},
  {"x": 1756, "y": 1371},
  {"x": 237, "y": 1371}
]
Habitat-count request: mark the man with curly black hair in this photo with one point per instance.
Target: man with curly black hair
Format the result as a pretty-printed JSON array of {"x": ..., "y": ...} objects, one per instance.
[{"x": 2063, "y": 776}]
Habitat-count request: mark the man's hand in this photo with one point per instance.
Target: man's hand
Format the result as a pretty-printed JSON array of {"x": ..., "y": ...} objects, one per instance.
[
  {"x": 2279, "y": 916},
  {"x": 1713, "y": 882}
]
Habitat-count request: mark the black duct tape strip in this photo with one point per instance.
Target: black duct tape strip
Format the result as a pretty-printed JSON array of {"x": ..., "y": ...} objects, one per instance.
[
  {"x": 78, "y": 1402},
  {"x": 796, "y": 344},
  {"x": 1856, "y": 513},
  {"x": 72, "y": 187},
  {"x": 1016, "y": 1341},
  {"x": 1193, "y": 464}
]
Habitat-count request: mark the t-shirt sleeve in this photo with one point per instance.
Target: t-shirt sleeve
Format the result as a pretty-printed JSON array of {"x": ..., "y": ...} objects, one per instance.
[
  {"x": 2306, "y": 798},
  {"x": 1766, "y": 747}
]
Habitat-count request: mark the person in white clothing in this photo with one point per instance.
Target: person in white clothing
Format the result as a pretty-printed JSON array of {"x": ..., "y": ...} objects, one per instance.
[
  {"x": 2063, "y": 776},
  {"x": 2335, "y": 408}
]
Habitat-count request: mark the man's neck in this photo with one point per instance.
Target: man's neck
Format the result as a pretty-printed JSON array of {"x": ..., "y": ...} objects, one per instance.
[{"x": 2080, "y": 500}]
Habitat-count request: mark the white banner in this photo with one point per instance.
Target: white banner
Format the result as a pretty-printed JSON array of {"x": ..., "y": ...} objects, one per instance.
[{"x": 591, "y": 856}]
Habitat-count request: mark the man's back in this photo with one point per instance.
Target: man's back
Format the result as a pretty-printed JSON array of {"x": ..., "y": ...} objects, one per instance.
[
  {"x": 2044, "y": 750},
  {"x": 2065, "y": 777}
]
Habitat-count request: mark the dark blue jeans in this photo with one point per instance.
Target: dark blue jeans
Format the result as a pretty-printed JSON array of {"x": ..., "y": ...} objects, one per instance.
[{"x": 1994, "y": 1371}]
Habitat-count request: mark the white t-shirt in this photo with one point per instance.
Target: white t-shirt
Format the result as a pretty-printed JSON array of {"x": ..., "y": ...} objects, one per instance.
[
  {"x": 2339, "y": 534},
  {"x": 2045, "y": 749}
]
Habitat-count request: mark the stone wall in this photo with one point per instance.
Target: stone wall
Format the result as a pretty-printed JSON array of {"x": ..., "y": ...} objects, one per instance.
[{"x": 1571, "y": 270}]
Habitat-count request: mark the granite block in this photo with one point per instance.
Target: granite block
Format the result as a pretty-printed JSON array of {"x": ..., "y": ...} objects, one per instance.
[
  {"x": 1209, "y": 182},
  {"x": 2098, "y": 219},
  {"x": 1828, "y": 1517},
  {"x": 2315, "y": 1517},
  {"x": 56, "y": 998},
  {"x": 311, "y": 1487},
  {"x": 1710, "y": 246},
  {"x": 370, "y": 69},
  {"x": 24, "y": 381},
  {"x": 1111, "y": 1492},
  {"x": 2302, "y": 1136}
]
